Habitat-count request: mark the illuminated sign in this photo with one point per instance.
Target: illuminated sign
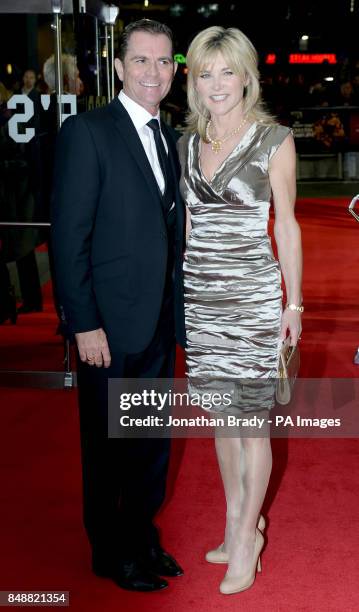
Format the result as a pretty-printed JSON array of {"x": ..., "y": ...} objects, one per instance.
[
  {"x": 179, "y": 58},
  {"x": 294, "y": 58},
  {"x": 312, "y": 58},
  {"x": 271, "y": 58}
]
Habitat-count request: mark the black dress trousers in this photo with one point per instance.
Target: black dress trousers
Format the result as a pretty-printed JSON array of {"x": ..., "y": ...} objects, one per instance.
[{"x": 124, "y": 480}]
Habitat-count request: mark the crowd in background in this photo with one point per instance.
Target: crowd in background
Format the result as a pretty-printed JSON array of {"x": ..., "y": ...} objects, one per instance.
[
  {"x": 283, "y": 89},
  {"x": 283, "y": 92}
]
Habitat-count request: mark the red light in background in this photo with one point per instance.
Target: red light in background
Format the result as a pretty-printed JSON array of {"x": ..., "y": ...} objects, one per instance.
[
  {"x": 312, "y": 58},
  {"x": 271, "y": 58}
]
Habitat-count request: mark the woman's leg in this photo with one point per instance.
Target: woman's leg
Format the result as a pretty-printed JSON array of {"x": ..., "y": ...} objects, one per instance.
[
  {"x": 245, "y": 465},
  {"x": 228, "y": 456},
  {"x": 255, "y": 469}
]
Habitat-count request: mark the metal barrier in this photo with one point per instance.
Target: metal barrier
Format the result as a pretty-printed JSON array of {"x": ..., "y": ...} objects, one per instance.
[
  {"x": 352, "y": 207},
  {"x": 356, "y": 216}
]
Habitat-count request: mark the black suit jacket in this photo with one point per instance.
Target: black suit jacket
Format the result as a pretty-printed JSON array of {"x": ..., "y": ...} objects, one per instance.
[{"x": 109, "y": 232}]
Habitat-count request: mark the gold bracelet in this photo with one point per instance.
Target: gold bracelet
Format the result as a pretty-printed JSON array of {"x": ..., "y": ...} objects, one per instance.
[{"x": 295, "y": 307}]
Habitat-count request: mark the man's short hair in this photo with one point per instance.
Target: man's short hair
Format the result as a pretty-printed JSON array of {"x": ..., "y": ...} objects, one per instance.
[{"x": 142, "y": 25}]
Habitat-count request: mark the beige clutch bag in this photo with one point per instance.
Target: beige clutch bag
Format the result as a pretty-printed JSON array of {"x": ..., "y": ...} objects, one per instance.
[{"x": 289, "y": 362}]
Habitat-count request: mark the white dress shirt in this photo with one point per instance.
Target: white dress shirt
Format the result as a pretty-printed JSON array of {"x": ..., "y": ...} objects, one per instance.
[{"x": 140, "y": 117}]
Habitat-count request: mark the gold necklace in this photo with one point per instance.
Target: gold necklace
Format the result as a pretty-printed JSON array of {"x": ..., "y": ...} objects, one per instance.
[{"x": 217, "y": 143}]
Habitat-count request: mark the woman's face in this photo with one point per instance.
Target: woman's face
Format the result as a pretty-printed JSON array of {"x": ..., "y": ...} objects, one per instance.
[{"x": 219, "y": 88}]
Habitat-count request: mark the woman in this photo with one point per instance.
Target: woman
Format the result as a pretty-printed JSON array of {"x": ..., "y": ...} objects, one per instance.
[{"x": 233, "y": 157}]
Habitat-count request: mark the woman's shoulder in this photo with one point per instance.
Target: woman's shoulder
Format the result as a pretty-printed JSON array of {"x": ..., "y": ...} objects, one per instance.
[
  {"x": 279, "y": 132},
  {"x": 272, "y": 132},
  {"x": 276, "y": 134}
]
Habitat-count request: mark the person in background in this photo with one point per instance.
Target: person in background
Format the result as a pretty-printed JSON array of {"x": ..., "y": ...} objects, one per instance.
[
  {"x": 7, "y": 297},
  {"x": 347, "y": 95},
  {"x": 29, "y": 81},
  {"x": 27, "y": 267},
  {"x": 72, "y": 82}
]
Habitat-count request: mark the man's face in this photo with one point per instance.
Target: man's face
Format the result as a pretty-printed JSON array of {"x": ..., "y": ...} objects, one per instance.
[
  {"x": 29, "y": 79},
  {"x": 147, "y": 70}
]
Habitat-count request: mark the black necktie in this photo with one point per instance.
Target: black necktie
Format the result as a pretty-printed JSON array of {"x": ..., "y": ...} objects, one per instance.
[{"x": 168, "y": 194}]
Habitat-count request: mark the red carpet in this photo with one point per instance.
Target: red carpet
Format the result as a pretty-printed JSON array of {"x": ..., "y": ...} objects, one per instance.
[
  {"x": 311, "y": 560},
  {"x": 32, "y": 343}
]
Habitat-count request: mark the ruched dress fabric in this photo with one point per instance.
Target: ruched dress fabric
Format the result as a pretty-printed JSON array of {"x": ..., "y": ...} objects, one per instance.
[{"x": 233, "y": 295}]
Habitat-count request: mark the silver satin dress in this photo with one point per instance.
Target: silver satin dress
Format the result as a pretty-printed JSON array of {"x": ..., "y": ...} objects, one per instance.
[{"x": 233, "y": 295}]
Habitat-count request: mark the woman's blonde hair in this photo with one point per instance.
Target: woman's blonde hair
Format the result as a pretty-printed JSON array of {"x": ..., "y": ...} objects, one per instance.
[{"x": 241, "y": 57}]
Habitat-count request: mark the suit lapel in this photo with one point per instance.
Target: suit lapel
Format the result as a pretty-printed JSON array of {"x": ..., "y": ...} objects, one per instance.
[
  {"x": 172, "y": 152},
  {"x": 132, "y": 140},
  {"x": 176, "y": 173}
]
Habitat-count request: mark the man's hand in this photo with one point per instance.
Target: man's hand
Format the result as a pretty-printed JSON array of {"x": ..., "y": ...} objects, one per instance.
[{"x": 93, "y": 348}]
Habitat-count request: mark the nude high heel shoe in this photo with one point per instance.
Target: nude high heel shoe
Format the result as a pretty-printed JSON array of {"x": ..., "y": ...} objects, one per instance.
[
  {"x": 218, "y": 555},
  {"x": 236, "y": 584}
]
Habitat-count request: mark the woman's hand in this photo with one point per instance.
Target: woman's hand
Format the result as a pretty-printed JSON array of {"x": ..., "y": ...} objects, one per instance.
[{"x": 292, "y": 323}]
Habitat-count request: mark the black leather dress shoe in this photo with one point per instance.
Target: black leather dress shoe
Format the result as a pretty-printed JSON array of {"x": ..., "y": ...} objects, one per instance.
[
  {"x": 161, "y": 563},
  {"x": 131, "y": 576}
]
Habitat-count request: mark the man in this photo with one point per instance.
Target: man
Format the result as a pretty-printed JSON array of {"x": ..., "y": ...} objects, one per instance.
[
  {"x": 70, "y": 74},
  {"x": 118, "y": 232},
  {"x": 29, "y": 81},
  {"x": 28, "y": 273}
]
